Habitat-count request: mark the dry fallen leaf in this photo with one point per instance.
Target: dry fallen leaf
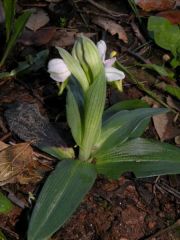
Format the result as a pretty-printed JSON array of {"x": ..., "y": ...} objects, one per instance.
[
  {"x": 37, "y": 20},
  {"x": 3, "y": 145},
  {"x": 51, "y": 36},
  {"x": 13, "y": 161},
  {"x": 112, "y": 27},
  {"x": 155, "y": 5},
  {"x": 40, "y": 37},
  {"x": 164, "y": 125},
  {"x": 172, "y": 15},
  {"x": 64, "y": 38},
  {"x": 173, "y": 103}
]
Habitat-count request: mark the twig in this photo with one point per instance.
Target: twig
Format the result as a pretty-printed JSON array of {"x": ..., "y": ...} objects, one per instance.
[
  {"x": 112, "y": 13},
  {"x": 137, "y": 32},
  {"x": 7, "y": 135},
  {"x": 105, "y": 15},
  {"x": 80, "y": 13},
  {"x": 137, "y": 56},
  {"x": 169, "y": 189}
]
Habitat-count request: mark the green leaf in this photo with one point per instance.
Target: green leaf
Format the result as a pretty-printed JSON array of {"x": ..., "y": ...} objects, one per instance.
[
  {"x": 32, "y": 64},
  {"x": 74, "y": 117},
  {"x": 60, "y": 152},
  {"x": 19, "y": 25},
  {"x": 122, "y": 126},
  {"x": 5, "y": 205},
  {"x": 166, "y": 35},
  {"x": 85, "y": 67},
  {"x": 175, "y": 91},
  {"x": 124, "y": 105},
  {"x": 62, "y": 193},
  {"x": 2, "y": 237},
  {"x": 129, "y": 105},
  {"x": 75, "y": 68},
  {"x": 9, "y": 9},
  {"x": 78, "y": 93},
  {"x": 143, "y": 157},
  {"x": 161, "y": 70},
  {"x": 94, "y": 106},
  {"x": 175, "y": 62}
]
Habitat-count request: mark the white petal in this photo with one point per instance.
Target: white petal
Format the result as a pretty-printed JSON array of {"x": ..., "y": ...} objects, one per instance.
[
  {"x": 114, "y": 74},
  {"x": 59, "y": 77},
  {"x": 101, "y": 46},
  {"x": 58, "y": 70},
  {"x": 109, "y": 62},
  {"x": 56, "y": 65}
]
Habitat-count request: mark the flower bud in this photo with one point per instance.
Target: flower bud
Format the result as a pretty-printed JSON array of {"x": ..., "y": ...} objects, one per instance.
[
  {"x": 166, "y": 57},
  {"x": 85, "y": 51},
  {"x": 58, "y": 70}
]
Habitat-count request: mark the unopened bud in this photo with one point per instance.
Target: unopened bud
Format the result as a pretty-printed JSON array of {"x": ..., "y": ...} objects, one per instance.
[
  {"x": 85, "y": 51},
  {"x": 166, "y": 57}
]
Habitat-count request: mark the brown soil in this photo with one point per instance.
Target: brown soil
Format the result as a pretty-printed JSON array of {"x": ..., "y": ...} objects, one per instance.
[{"x": 122, "y": 210}]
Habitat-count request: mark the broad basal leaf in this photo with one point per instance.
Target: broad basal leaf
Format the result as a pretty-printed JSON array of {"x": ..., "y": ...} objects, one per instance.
[
  {"x": 122, "y": 125},
  {"x": 94, "y": 106},
  {"x": 60, "y": 152},
  {"x": 60, "y": 196},
  {"x": 124, "y": 105},
  {"x": 75, "y": 68},
  {"x": 142, "y": 157},
  {"x": 129, "y": 105}
]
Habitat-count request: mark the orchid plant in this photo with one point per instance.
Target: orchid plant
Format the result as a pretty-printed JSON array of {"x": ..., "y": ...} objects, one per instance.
[{"x": 109, "y": 140}]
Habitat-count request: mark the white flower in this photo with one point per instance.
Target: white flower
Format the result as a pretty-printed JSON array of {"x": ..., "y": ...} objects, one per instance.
[
  {"x": 112, "y": 73},
  {"x": 58, "y": 70}
]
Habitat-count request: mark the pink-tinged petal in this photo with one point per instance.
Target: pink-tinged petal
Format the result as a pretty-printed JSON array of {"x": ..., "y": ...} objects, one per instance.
[
  {"x": 58, "y": 70},
  {"x": 101, "y": 46},
  {"x": 109, "y": 62},
  {"x": 114, "y": 74}
]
